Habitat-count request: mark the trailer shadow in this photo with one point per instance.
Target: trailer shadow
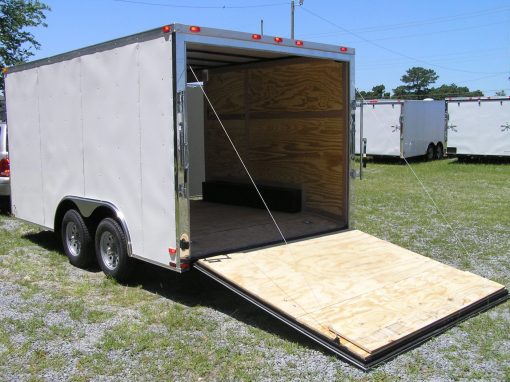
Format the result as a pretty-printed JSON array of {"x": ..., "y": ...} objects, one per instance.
[
  {"x": 480, "y": 160},
  {"x": 49, "y": 241},
  {"x": 5, "y": 205},
  {"x": 392, "y": 160},
  {"x": 192, "y": 289},
  {"x": 195, "y": 289}
]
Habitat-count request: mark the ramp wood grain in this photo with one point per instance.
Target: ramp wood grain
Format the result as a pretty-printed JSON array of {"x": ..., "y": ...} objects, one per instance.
[{"x": 363, "y": 292}]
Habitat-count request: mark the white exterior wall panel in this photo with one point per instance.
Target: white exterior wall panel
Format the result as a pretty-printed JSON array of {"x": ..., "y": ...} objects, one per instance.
[
  {"x": 381, "y": 128},
  {"x": 157, "y": 149},
  {"x": 99, "y": 126},
  {"x": 27, "y": 187},
  {"x": 424, "y": 123},
  {"x": 111, "y": 133},
  {"x": 60, "y": 121},
  {"x": 479, "y": 127}
]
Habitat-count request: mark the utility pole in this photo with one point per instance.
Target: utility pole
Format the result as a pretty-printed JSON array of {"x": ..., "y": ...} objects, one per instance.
[{"x": 292, "y": 8}]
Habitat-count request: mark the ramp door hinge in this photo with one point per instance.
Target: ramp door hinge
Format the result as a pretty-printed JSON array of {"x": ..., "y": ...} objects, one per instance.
[{"x": 184, "y": 244}]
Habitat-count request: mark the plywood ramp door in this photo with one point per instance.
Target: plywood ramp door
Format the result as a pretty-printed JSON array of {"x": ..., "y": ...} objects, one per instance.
[{"x": 362, "y": 293}]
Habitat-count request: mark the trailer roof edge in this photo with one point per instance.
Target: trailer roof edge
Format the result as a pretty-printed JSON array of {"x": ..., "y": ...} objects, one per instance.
[{"x": 182, "y": 29}]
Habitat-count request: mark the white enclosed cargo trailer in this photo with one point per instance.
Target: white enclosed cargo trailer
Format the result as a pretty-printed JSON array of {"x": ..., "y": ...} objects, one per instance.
[
  {"x": 404, "y": 129},
  {"x": 103, "y": 154},
  {"x": 479, "y": 126}
]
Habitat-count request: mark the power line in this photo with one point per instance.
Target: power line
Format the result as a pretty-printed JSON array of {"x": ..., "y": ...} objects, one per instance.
[
  {"x": 441, "y": 31},
  {"x": 391, "y": 50},
  {"x": 419, "y": 23},
  {"x": 200, "y": 6}
]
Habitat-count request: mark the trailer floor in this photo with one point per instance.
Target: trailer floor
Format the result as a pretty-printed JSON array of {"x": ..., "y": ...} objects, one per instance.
[
  {"x": 359, "y": 295},
  {"x": 217, "y": 227}
]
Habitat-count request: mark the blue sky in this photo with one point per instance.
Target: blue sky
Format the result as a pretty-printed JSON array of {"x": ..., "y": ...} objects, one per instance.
[{"x": 466, "y": 42}]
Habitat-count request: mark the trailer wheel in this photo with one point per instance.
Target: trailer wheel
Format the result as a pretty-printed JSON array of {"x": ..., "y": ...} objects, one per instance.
[
  {"x": 76, "y": 239},
  {"x": 111, "y": 250},
  {"x": 439, "y": 151},
  {"x": 431, "y": 152}
]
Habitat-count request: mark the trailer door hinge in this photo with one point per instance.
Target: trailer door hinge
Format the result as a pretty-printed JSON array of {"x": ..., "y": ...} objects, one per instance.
[{"x": 183, "y": 244}]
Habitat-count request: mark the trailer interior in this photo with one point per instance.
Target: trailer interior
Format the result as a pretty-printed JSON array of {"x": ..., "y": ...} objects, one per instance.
[{"x": 286, "y": 117}]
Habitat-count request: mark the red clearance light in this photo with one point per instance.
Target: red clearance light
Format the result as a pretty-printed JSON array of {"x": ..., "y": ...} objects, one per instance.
[
  {"x": 5, "y": 167},
  {"x": 184, "y": 266},
  {"x": 166, "y": 28},
  {"x": 343, "y": 49},
  {"x": 278, "y": 40},
  {"x": 256, "y": 36},
  {"x": 172, "y": 251},
  {"x": 299, "y": 43},
  {"x": 194, "y": 29}
]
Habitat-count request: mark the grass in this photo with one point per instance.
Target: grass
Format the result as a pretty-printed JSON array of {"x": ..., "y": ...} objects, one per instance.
[{"x": 77, "y": 325}]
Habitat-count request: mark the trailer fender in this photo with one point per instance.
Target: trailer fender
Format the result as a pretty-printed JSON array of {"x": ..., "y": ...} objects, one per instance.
[{"x": 93, "y": 211}]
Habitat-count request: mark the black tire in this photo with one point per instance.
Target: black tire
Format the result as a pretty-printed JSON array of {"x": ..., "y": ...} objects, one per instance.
[
  {"x": 439, "y": 151},
  {"x": 431, "y": 152},
  {"x": 111, "y": 250},
  {"x": 76, "y": 239}
]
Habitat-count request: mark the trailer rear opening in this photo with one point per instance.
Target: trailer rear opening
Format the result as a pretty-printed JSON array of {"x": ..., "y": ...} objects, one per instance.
[{"x": 287, "y": 119}]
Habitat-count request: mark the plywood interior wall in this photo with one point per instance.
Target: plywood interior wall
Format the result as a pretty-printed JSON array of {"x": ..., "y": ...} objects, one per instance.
[{"x": 288, "y": 119}]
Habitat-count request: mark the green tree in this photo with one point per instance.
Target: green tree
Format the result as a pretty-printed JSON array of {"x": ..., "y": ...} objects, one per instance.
[
  {"x": 501, "y": 93},
  {"x": 452, "y": 90},
  {"x": 16, "y": 42},
  {"x": 378, "y": 92},
  {"x": 402, "y": 93},
  {"x": 417, "y": 82}
]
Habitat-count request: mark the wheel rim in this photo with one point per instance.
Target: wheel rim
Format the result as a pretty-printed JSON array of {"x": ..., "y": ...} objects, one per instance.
[
  {"x": 109, "y": 251},
  {"x": 73, "y": 239}
]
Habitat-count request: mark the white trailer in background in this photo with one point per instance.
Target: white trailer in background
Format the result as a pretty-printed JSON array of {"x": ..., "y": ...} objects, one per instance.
[
  {"x": 405, "y": 129},
  {"x": 114, "y": 149},
  {"x": 479, "y": 126}
]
